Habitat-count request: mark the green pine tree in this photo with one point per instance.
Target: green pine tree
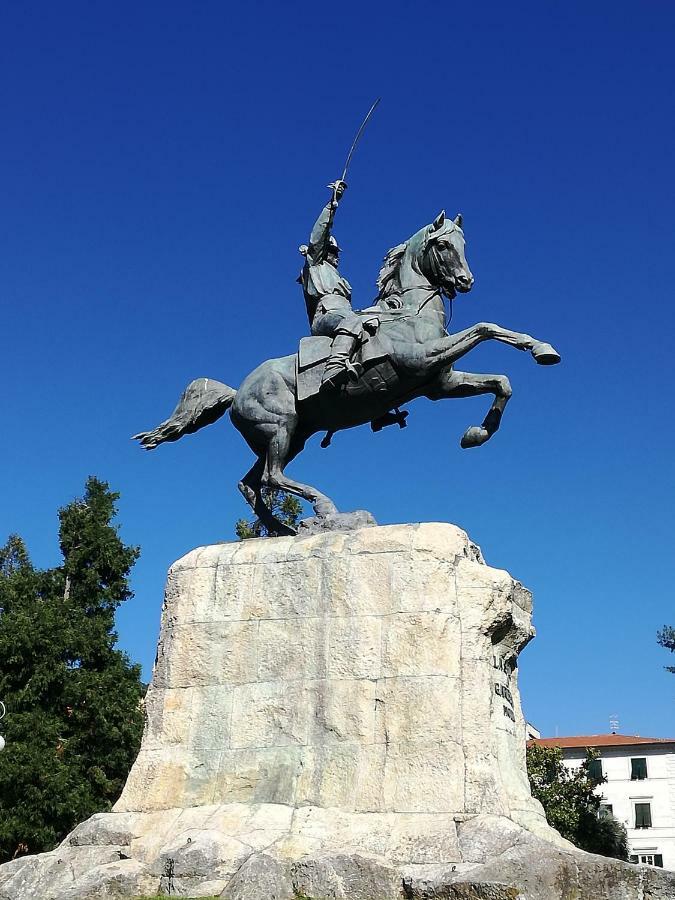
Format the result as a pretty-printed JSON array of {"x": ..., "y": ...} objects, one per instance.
[
  {"x": 285, "y": 507},
  {"x": 666, "y": 638},
  {"x": 571, "y": 804},
  {"x": 74, "y": 701}
]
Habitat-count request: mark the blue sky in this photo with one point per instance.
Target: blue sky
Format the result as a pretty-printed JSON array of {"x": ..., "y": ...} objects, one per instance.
[{"x": 160, "y": 163}]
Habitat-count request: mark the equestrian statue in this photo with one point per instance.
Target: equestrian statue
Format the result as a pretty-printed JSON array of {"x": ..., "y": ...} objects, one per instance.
[{"x": 357, "y": 367}]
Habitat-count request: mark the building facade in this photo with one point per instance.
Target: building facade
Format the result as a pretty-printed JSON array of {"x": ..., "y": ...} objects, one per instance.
[{"x": 639, "y": 791}]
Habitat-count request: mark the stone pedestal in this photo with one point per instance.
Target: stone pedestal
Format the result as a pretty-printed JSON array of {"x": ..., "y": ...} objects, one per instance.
[
  {"x": 372, "y": 672},
  {"x": 336, "y": 715}
]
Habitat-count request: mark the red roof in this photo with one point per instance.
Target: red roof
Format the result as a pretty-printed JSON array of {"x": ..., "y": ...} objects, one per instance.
[{"x": 599, "y": 740}]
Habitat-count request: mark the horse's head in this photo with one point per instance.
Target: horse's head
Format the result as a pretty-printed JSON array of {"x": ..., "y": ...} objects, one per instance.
[
  {"x": 440, "y": 256},
  {"x": 433, "y": 256}
]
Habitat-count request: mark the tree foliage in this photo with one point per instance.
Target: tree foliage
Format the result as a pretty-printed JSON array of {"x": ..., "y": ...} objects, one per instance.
[
  {"x": 74, "y": 716},
  {"x": 666, "y": 638},
  {"x": 571, "y": 803},
  {"x": 285, "y": 507}
]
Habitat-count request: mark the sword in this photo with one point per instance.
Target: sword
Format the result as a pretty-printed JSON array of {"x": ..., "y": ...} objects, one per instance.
[{"x": 358, "y": 137}]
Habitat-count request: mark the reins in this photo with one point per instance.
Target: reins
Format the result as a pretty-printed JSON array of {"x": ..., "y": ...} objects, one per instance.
[{"x": 411, "y": 315}]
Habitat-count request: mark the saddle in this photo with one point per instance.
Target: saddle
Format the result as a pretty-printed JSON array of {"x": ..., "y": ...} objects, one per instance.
[{"x": 377, "y": 371}]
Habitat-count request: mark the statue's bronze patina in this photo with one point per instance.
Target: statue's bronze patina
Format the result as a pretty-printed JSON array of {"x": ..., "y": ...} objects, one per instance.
[{"x": 358, "y": 366}]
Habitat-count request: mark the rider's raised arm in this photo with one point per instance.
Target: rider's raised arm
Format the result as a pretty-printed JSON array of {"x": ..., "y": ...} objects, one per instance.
[{"x": 318, "y": 239}]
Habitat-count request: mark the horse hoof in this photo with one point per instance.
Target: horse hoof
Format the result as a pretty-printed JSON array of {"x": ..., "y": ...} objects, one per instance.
[
  {"x": 545, "y": 354},
  {"x": 474, "y": 436}
]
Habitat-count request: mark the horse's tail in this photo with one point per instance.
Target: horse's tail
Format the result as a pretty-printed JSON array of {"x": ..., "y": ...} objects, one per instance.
[{"x": 203, "y": 402}]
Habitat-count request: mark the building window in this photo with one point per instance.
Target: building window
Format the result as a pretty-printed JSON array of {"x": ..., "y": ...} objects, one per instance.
[
  {"x": 595, "y": 769},
  {"x": 643, "y": 815},
  {"x": 606, "y": 811},
  {"x": 638, "y": 769},
  {"x": 647, "y": 859}
]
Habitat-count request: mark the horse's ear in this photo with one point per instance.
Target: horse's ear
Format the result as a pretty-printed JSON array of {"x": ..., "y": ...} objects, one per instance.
[
  {"x": 459, "y": 220},
  {"x": 438, "y": 221}
]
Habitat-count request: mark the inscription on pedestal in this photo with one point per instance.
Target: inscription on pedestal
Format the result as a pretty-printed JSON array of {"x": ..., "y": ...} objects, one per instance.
[{"x": 503, "y": 665}]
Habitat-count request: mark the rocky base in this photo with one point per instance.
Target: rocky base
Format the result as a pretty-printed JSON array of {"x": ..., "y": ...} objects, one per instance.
[
  {"x": 131, "y": 854},
  {"x": 347, "y": 521},
  {"x": 333, "y": 715}
]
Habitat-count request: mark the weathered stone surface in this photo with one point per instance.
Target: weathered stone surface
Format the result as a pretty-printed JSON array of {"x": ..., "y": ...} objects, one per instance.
[
  {"x": 126, "y": 878},
  {"x": 399, "y": 837},
  {"x": 262, "y": 877},
  {"x": 76, "y": 873},
  {"x": 484, "y": 837},
  {"x": 201, "y": 852},
  {"x": 535, "y": 868},
  {"x": 338, "y": 669},
  {"x": 460, "y": 890},
  {"x": 655, "y": 886},
  {"x": 102, "y": 829},
  {"x": 336, "y": 714},
  {"x": 345, "y": 877}
]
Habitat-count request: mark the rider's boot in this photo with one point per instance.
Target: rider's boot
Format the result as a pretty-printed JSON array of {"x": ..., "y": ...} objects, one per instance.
[{"x": 339, "y": 368}]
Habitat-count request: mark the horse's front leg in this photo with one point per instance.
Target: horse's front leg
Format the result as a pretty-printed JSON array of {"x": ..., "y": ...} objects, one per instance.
[
  {"x": 447, "y": 350},
  {"x": 450, "y": 384}
]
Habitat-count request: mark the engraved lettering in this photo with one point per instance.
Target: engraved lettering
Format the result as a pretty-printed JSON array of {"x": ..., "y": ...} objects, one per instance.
[
  {"x": 502, "y": 665},
  {"x": 502, "y": 691}
]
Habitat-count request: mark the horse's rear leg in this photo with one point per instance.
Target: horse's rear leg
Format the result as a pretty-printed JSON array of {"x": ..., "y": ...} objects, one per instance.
[
  {"x": 251, "y": 488},
  {"x": 451, "y": 384},
  {"x": 279, "y": 454}
]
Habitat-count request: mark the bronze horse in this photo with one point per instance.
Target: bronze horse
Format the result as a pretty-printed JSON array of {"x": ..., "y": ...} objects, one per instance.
[{"x": 414, "y": 356}]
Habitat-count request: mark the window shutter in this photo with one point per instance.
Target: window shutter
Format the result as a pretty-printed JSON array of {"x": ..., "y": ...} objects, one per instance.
[
  {"x": 643, "y": 815},
  {"x": 595, "y": 769},
  {"x": 658, "y": 860},
  {"x": 638, "y": 769}
]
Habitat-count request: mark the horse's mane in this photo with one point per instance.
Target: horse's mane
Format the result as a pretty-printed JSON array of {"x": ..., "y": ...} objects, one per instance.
[{"x": 390, "y": 267}]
